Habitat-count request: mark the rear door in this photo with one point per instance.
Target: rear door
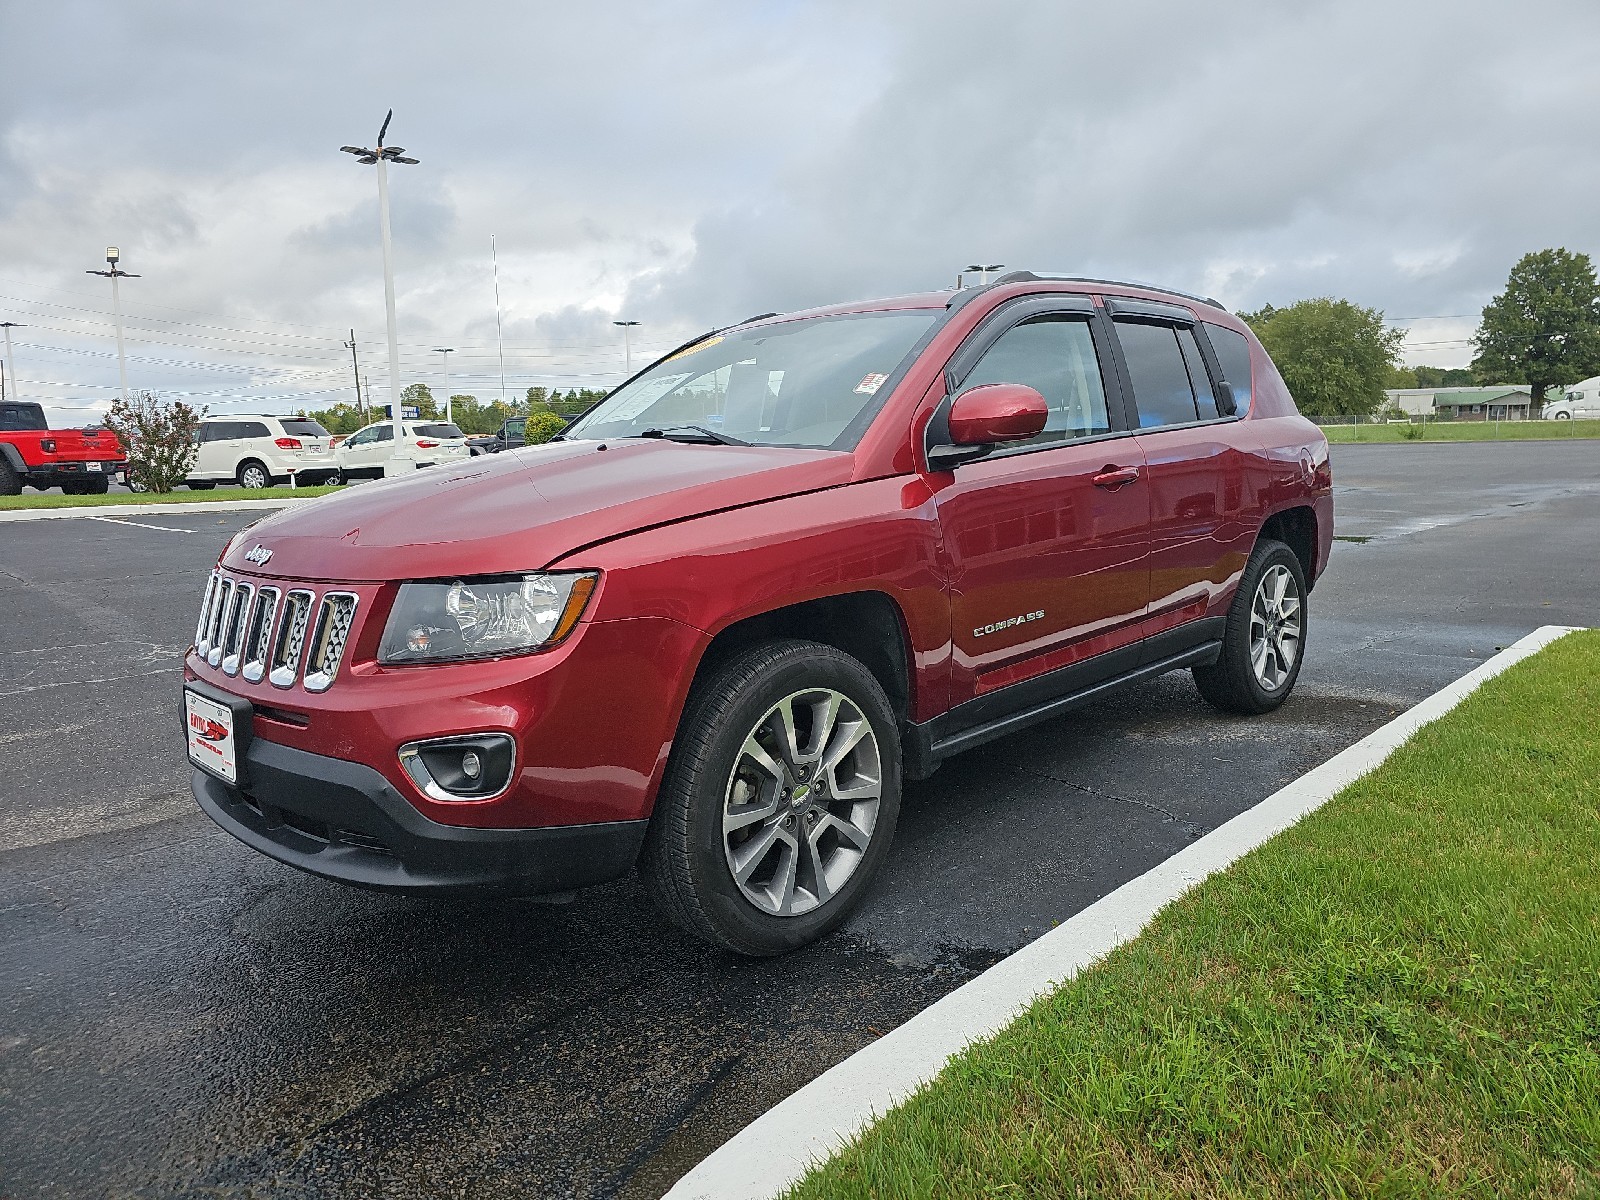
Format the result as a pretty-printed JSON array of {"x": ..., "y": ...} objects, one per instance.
[
  {"x": 214, "y": 460},
  {"x": 1046, "y": 540},
  {"x": 1199, "y": 537}
]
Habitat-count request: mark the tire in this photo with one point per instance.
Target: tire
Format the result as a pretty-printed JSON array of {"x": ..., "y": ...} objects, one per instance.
[
  {"x": 1563, "y": 416},
  {"x": 196, "y": 485},
  {"x": 1237, "y": 683},
  {"x": 253, "y": 474},
  {"x": 10, "y": 481},
  {"x": 95, "y": 485},
  {"x": 800, "y": 819},
  {"x": 73, "y": 488}
]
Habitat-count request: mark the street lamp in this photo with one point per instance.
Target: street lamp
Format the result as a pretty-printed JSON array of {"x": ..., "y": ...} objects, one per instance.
[
  {"x": 382, "y": 157},
  {"x": 447, "y": 351},
  {"x": 113, "y": 256},
  {"x": 11, "y": 363},
  {"x": 627, "y": 346},
  {"x": 984, "y": 271}
]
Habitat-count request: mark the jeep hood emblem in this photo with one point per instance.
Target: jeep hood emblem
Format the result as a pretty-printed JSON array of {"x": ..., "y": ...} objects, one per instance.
[{"x": 258, "y": 555}]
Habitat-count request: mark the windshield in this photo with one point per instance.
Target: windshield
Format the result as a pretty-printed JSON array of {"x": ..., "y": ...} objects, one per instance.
[{"x": 799, "y": 383}]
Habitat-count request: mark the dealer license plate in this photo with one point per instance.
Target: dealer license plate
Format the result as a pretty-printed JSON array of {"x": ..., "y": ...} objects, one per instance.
[
  {"x": 94, "y": 466},
  {"x": 212, "y": 744}
]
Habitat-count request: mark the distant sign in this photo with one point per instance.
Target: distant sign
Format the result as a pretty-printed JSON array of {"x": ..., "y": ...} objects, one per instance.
[{"x": 409, "y": 412}]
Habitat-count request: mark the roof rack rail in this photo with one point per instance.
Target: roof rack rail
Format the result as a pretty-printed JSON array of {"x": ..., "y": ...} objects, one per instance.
[
  {"x": 757, "y": 317},
  {"x": 1051, "y": 277}
]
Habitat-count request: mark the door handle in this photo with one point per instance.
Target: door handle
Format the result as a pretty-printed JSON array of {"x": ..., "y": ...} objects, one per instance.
[{"x": 1115, "y": 477}]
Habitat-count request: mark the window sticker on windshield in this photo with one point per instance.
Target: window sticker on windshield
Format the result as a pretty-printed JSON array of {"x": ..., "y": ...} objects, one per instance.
[
  {"x": 871, "y": 383},
  {"x": 642, "y": 395},
  {"x": 694, "y": 349}
]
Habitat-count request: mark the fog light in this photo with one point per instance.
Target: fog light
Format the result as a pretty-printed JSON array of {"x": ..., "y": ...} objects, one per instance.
[{"x": 476, "y": 766}]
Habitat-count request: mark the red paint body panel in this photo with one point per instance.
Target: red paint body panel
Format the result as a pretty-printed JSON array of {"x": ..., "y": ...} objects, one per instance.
[{"x": 691, "y": 540}]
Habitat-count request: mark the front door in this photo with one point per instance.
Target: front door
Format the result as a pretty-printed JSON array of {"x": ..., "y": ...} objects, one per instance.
[{"x": 1046, "y": 541}]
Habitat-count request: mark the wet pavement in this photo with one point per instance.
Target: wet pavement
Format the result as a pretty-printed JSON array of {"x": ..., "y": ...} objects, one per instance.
[{"x": 181, "y": 1016}]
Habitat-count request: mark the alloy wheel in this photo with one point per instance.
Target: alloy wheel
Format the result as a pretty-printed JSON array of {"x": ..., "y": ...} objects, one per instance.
[
  {"x": 1275, "y": 627},
  {"x": 802, "y": 802},
  {"x": 253, "y": 477}
]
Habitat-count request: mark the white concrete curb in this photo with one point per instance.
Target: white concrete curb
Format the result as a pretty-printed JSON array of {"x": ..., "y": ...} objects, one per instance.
[
  {"x": 134, "y": 510},
  {"x": 776, "y": 1149}
]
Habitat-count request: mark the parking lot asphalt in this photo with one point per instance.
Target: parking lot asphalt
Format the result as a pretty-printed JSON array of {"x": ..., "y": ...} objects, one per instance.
[{"x": 181, "y": 1016}]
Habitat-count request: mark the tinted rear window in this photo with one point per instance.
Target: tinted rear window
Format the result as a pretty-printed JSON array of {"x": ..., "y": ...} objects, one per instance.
[
  {"x": 440, "y": 430},
  {"x": 303, "y": 427},
  {"x": 19, "y": 417},
  {"x": 1233, "y": 356},
  {"x": 1161, "y": 387}
]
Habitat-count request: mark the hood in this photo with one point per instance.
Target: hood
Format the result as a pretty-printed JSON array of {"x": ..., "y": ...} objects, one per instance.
[{"x": 522, "y": 509}]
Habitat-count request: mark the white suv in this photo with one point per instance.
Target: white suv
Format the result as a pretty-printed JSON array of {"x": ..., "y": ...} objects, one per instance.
[
  {"x": 366, "y": 451},
  {"x": 257, "y": 452}
]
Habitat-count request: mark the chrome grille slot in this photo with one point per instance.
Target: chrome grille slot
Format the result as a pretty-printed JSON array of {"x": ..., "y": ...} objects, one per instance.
[
  {"x": 291, "y": 639},
  {"x": 258, "y": 635},
  {"x": 238, "y": 619},
  {"x": 334, "y": 620},
  {"x": 202, "y": 631},
  {"x": 222, "y": 609}
]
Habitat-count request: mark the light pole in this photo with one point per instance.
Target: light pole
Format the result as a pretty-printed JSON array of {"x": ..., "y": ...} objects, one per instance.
[
  {"x": 382, "y": 157},
  {"x": 983, "y": 271},
  {"x": 447, "y": 351},
  {"x": 113, "y": 255},
  {"x": 627, "y": 346},
  {"x": 11, "y": 363}
]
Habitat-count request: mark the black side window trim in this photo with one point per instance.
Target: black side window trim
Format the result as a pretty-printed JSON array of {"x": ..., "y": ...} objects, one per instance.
[
  {"x": 1007, "y": 317},
  {"x": 1126, "y": 382}
]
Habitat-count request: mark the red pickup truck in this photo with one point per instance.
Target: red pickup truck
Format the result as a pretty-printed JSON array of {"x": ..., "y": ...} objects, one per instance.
[
  {"x": 709, "y": 629},
  {"x": 78, "y": 461}
]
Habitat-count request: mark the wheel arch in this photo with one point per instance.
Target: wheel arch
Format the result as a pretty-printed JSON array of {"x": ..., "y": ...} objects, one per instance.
[
  {"x": 1296, "y": 528},
  {"x": 867, "y": 625}
]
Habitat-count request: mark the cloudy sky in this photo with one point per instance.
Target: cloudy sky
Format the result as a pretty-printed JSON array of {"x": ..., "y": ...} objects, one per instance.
[{"x": 687, "y": 164}]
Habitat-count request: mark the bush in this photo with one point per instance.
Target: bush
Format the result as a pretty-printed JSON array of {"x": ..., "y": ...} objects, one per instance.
[
  {"x": 158, "y": 437},
  {"x": 542, "y": 427}
]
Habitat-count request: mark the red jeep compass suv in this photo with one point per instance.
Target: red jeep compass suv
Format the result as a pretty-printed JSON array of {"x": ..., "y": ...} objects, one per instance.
[{"x": 711, "y": 628}]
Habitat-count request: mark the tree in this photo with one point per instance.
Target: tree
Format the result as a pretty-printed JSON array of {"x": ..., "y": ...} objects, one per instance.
[
  {"x": 1544, "y": 329},
  {"x": 543, "y": 427},
  {"x": 1334, "y": 355},
  {"x": 1440, "y": 377},
  {"x": 159, "y": 437},
  {"x": 420, "y": 397}
]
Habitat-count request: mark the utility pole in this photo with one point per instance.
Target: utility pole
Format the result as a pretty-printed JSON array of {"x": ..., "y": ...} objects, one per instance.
[
  {"x": 113, "y": 255},
  {"x": 447, "y": 351},
  {"x": 361, "y": 410},
  {"x": 627, "y": 347},
  {"x": 499, "y": 335},
  {"x": 11, "y": 363},
  {"x": 382, "y": 157}
]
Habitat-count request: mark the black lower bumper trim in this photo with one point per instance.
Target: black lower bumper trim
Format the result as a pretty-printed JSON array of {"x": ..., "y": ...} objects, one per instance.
[{"x": 345, "y": 821}]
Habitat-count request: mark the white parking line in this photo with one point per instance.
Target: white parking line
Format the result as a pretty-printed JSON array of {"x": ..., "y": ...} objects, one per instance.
[{"x": 140, "y": 524}]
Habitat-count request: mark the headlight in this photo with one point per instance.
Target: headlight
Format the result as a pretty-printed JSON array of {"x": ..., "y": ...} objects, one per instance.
[{"x": 483, "y": 618}]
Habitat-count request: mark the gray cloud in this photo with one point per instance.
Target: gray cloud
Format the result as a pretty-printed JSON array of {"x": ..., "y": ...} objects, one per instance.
[{"x": 691, "y": 164}]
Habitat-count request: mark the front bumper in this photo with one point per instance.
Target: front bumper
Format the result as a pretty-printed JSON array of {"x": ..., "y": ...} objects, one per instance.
[{"x": 344, "y": 821}]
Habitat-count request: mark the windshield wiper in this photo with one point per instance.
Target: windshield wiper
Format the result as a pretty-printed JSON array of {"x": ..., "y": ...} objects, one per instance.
[{"x": 698, "y": 434}]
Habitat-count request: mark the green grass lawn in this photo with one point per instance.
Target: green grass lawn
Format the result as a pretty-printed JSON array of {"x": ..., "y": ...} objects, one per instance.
[
  {"x": 1465, "y": 431},
  {"x": 57, "y": 500},
  {"x": 1400, "y": 996}
]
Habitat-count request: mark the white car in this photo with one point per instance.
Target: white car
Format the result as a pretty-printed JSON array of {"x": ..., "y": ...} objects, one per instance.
[
  {"x": 1582, "y": 402},
  {"x": 365, "y": 452},
  {"x": 259, "y": 451}
]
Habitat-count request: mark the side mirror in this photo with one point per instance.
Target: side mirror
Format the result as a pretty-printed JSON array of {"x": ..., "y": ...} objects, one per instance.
[{"x": 985, "y": 415}]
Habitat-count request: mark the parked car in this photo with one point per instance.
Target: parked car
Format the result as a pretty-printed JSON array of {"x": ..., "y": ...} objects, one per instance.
[
  {"x": 1581, "y": 401},
  {"x": 710, "y": 629},
  {"x": 260, "y": 451},
  {"x": 512, "y": 435},
  {"x": 363, "y": 454},
  {"x": 78, "y": 461}
]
